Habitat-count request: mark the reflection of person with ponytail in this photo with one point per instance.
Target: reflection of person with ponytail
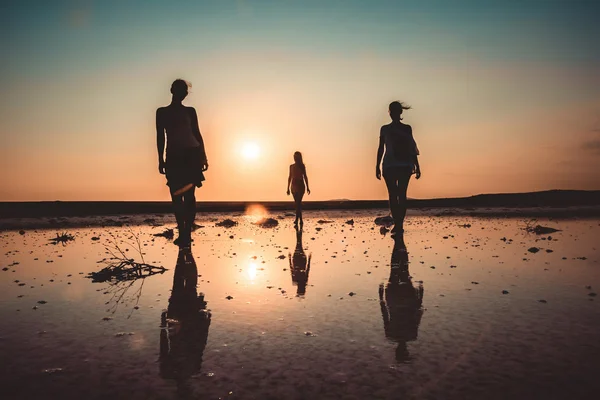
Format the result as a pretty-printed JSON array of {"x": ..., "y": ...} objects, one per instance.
[
  {"x": 184, "y": 326},
  {"x": 296, "y": 180},
  {"x": 401, "y": 302},
  {"x": 299, "y": 265}
]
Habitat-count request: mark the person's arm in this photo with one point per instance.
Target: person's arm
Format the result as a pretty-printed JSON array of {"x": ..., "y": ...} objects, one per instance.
[
  {"x": 289, "y": 181},
  {"x": 416, "y": 155},
  {"x": 198, "y": 135},
  {"x": 160, "y": 141},
  {"x": 379, "y": 156},
  {"x": 306, "y": 180}
]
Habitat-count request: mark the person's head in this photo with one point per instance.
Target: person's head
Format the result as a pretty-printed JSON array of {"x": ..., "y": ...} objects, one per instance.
[
  {"x": 298, "y": 158},
  {"x": 179, "y": 89},
  {"x": 396, "y": 108}
]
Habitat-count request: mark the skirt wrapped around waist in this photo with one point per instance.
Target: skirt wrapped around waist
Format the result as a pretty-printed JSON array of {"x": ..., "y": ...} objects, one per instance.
[{"x": 184, "y": 166}]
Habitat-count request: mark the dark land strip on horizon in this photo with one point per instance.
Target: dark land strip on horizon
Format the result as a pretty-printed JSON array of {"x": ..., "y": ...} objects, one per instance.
[{"x": 568, "y": 200}]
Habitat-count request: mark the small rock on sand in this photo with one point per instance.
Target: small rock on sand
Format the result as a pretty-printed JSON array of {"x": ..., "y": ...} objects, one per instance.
[
  {"x": 226, "y": 223},
  {"x": 385, "y": 221},
  {"x": 533, "y": 249},
  {"x": 268, "y": 223}
]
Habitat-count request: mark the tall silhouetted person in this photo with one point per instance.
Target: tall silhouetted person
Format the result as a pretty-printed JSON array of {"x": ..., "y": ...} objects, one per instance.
[
  {"x": 399, "y": 162},
  {"x": 185, "y": 157},
  {"x": 296, "y": 180},
  {"x": 401, "y": 302},
  {"x": 299, "y": 265},
  {"x": 184, "y": 325}
]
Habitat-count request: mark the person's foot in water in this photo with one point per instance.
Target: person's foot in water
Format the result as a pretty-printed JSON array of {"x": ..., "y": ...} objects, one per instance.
[
  {"x": 185, "y": 237},
  {"x": 183, "y": 240}
]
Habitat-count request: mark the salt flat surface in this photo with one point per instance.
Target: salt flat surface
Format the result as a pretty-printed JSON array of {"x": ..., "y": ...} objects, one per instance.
[{"x": 350, "y": 326}]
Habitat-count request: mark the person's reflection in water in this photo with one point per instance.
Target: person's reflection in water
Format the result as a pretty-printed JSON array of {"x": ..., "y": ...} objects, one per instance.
[
  {"x": 299, "y": 265},
  {"x": 184, "y": 326},
  {"x": 401, "y": 302}
]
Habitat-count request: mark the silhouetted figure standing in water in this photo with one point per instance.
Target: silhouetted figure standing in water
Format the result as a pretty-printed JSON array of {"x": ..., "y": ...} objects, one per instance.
[
  {"x": 184, "y": 326},
  {"x": 296, "y": 180},
  {"x": 186, "y": 157},
  {"x": 399, "y": 163},
  {"x": 299, "y": 265},
  {"x": 401, "y": 302}
]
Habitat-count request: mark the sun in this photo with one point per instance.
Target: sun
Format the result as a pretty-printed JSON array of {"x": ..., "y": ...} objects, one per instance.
[{"x": 250, "y": 151}]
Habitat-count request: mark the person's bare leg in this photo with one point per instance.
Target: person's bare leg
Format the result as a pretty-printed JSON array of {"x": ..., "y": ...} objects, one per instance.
[
  {"x": 298, "y": 200},
  {"x": 391, "y": 181},
  {"x": 403, "y": 181},
  {"x": 189, "y": 203},
  {"x": 179, "y": 210}
]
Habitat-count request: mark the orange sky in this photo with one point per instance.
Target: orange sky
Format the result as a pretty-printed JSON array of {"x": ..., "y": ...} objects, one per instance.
[{"x": 81, "y": 127}]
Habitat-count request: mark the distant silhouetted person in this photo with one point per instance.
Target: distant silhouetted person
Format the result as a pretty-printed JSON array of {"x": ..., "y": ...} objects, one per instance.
[
  {"x": 401, "y": 302},
  {"x": 184, "y": 325},
  {"x": 296, "y": 181},
  {"x": 185, "y": 157},
  {"x": 399, "y": 163},
  {"x": 299, "y": 265}
]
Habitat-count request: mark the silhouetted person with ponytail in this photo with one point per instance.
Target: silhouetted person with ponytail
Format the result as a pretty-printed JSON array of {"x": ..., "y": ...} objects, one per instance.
[
  {"x": 399, "y": 162},
  {"x": 296, "y": 180},
  {"x": 186, "y": 157}
]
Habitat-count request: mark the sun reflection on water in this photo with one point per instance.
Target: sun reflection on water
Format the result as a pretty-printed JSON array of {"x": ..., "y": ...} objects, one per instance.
[{"x": 251, "y": 271}]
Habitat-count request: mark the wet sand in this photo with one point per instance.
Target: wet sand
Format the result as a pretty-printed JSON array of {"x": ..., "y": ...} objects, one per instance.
[{"x": 478, "y": 314}]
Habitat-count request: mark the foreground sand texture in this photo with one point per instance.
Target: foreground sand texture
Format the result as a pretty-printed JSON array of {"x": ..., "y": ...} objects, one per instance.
[{"x": 505, "y": 313}]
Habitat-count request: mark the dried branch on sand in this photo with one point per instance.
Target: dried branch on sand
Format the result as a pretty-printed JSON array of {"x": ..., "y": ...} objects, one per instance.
[
  {"x": 62, "y": 238},
  {"x": 125, "y": 270},
  {"x": 532, "y": 227},
  {"x": 121, "y": 272}
]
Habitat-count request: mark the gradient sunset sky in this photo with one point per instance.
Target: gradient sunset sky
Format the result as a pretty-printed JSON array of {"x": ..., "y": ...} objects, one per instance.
[{"x": 505, "y": 94}]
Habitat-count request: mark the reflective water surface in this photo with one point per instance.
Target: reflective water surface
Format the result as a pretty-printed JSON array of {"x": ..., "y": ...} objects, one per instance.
[{"x": 457, "y": 307}]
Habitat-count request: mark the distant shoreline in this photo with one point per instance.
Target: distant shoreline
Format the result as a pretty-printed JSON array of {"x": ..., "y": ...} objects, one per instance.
[{"x": 589, "y": 200}]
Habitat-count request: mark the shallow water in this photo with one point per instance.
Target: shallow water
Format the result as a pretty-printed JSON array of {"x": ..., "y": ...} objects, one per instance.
[{"x": 353, "y": 325}]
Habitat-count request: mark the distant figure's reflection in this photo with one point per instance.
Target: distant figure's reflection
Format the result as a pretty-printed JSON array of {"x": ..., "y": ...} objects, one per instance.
[
  {"x": 299, "y": 265},
  {"x": 184, "y": 325},
  {"x": 401, "y": 302}
]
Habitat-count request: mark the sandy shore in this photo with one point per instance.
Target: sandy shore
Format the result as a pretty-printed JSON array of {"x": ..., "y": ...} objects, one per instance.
[
  {"x": 483, "y": 310},
  {"x": 119, "y": 220}
]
